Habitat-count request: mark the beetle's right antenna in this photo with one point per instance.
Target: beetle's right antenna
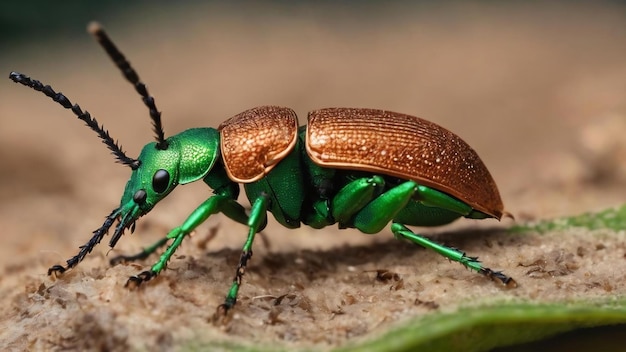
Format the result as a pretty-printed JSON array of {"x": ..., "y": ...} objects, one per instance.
[
  {"x": 131, "y": 76},
  {"x": 85, "y": 116}
]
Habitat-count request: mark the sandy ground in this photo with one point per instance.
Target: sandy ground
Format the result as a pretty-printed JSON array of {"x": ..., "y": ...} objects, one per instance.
[{"x": 539, "y": 93}]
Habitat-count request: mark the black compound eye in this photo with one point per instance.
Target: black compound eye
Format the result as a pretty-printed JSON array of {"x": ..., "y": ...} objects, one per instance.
[
  {"x": 160, "y": 181},
  {"x": 140, "y": 196}
]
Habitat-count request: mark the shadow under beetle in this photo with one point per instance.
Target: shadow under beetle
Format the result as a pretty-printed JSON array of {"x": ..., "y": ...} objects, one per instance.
[{"x": 358, "y": 168}]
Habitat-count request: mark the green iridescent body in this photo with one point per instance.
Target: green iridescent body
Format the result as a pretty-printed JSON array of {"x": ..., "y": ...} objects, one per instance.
[
  {"x": 293, "y": 192},
  {"x": 357, "y": 168}
]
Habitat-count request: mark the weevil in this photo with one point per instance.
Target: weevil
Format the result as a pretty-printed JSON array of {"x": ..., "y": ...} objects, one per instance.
[{"x": 357, "y": 168}]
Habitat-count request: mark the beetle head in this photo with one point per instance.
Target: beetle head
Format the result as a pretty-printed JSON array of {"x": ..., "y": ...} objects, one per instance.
[
  {"x": 190, "y": 155},
  {"x": 161, "y": 166}
]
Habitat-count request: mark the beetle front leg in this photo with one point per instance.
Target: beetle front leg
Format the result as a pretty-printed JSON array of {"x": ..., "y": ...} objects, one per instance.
[
  {"x": 213, "y": 205},
  {"x": 401, "y": 231},
  {"x": 257, "y": 218}
]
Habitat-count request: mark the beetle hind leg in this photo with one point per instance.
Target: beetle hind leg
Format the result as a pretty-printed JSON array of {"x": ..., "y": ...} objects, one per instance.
[{"x": 401, "y": 231}]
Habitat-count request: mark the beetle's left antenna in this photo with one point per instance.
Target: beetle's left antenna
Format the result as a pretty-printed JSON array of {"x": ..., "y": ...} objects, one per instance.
[
  {"x": 131, "y": 76},
  {"x": 115, "y": 148}
]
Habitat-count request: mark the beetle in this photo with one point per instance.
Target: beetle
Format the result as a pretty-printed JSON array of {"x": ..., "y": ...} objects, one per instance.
[{"x": 354, "y": 167}]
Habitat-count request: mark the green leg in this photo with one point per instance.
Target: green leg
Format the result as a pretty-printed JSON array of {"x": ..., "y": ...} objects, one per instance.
[
  {"x": 354, "y": 196},
  {"x": 382, "y": 209},
  {"x": 213, "y": 205},
  {"x": 400, "y": 231},
  {"x": 433, "y": 198},
  {"x": 230, "y": 209},
  {"x": 319, "y": 215},
  {"x": 258, "y": 216},
  {"x": 347, "y": 202},
  {"x": 360, "y": 204},
  {"x": 145, "y": 253}
]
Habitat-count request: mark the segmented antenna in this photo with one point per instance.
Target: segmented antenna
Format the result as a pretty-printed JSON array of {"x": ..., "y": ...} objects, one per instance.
[
  {"x": 87, "y": 247},
  {"x": 131, "y": 76},
  {"x": 115, "y": 148}
]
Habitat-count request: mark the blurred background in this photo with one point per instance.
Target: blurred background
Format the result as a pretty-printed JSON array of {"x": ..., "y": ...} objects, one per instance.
[{"x": 538, "y": 89}]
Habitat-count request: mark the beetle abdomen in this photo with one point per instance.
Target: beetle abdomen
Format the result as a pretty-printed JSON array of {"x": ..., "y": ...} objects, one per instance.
[
  {"x": 254, "y": 141},
  {"x": 403, "y": 146}
]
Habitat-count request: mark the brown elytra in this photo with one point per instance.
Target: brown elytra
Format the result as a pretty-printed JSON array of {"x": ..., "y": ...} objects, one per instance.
[
  {"x": 254, "y": 141},
  {"x": 403, "y": 146},
  {"x": 371, "y": 140}
]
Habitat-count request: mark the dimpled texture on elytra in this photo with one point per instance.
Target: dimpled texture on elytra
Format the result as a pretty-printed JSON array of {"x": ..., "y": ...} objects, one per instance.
[
  {"x": 254, "y": 141},
  {"x": 403, "y": 146}
]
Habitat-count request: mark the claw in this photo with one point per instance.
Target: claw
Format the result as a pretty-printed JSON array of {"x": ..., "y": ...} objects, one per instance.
[
  {"x": 222, "y": 310},
  {"x": 134, "y": 282},
  {"x": 147, "y": 275},
  {"x": 56, "y": 270},
  {"x": 499, "y": 277},
  {"x": 221, "y": 315},
  {"x": 507, "y": 281},
  {"x": 118, "y": 260}
]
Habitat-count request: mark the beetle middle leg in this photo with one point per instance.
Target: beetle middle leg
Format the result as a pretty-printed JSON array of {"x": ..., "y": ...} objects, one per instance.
[{"x": 256, "y": 220}]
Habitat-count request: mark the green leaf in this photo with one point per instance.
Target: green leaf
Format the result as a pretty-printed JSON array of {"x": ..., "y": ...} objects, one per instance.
[
  {"x": 484, "y": 328},
  {"x": 613, "y": 219}
]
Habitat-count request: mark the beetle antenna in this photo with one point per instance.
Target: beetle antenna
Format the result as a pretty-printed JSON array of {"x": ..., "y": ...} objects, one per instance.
[
  {"x": 113, "y": 146},
  {"x": 131, "y": 76},
  {"x": 87, "y": 247}
]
